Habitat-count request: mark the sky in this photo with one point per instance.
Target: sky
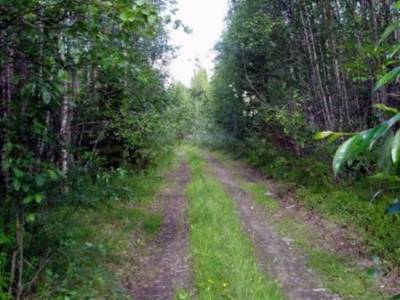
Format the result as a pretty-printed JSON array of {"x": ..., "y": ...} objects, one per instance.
[{"x": 206, "y": 20}]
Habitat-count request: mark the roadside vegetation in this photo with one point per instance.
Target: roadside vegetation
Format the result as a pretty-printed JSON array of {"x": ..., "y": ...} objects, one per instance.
[
  {"x": 86, "y": 117},
  {"x": 329, "y": 86},
  {"x": 92, "y": 243}
]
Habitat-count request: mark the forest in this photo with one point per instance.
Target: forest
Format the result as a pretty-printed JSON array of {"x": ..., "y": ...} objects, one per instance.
[{"x": 275, "y": 176}]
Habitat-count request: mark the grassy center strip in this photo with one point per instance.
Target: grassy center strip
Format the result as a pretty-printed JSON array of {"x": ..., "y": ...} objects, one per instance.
[{"x": 223, "y": 261}]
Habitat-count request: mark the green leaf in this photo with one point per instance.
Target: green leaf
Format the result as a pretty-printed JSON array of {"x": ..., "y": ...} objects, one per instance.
[
  {"x": 348, "y": 150},
  {"x": 323, "y": 134},
  {"x": 395, "y": 297},
  {"x": 54, "y": 175},
  {"x": 46, "y": 96},
  {"x": 40, "y": 180},
  {"x": 30, "y": 218},
  {"x": 385, "y": 159},
  {"x": 18, "y": 173},
  {"x": 396, "y": 148},
  {"x": 330, "y": 135},
  {"x": 39, "y": 197},
  {"x": 359, "y": 143},
  {"x": 385, "y": 177},
  {"x": 28, "y": 199},
  {"x": 127, "y": 15},
  {"x": 382, "y": 129},
  {"x": 385, "y": 108},
  {"x": 16, "y": 184},
  {"x": 3, "y": 238},
  {"x": 387, "y": 78},
  {"x": 334, "y": 137},
  {"x": 393, "y": 51},
  {"x": 25, "y": 188},
  {"x": 376, "y": 195},
  {"x": 388, "y": 31}
]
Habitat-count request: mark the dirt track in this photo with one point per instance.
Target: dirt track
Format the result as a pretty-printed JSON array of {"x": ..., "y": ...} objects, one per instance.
[
  {"x": 164, "y": 267},
  {"x": 274, "y": 254}
]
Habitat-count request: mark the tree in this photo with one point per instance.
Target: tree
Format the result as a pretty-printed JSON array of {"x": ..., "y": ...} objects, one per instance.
[
  {"x": 82, "y": 88},
  {"x": 386, "y": 133},
  {"x": 304, "y": 65}
]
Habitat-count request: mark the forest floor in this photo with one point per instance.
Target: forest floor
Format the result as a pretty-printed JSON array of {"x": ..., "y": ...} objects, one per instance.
[{"x": 228, "y": 233}]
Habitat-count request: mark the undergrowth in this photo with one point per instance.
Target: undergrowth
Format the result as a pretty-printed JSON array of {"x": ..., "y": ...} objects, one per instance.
[{"x": 88, "y": 244}]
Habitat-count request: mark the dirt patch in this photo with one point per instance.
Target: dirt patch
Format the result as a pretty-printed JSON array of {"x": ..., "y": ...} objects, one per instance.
[
  {"x": 164, "y": 266},
  {"x": 275, "y": 255},
  {"x": 341, "y": 238}
]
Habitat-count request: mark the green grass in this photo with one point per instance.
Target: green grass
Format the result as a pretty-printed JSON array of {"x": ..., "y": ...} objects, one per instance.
[
  {"x": 259, "y": 193},
  {"x": 152, "y": 223},
  {"x": 182, "y": 294},
  {"x": 223, "y": 261}
]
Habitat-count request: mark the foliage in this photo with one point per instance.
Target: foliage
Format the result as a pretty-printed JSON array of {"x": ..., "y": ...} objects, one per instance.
[
  {"x": 285, "y": 69},
  {"x": 386, "y": 133},
  {"x": 89, "y": 240},
  {"x": 84, "y": 97}
]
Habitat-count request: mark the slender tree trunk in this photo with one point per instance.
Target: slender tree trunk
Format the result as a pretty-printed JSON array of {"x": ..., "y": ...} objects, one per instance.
[
  {"x": 316, "y": 72},
  {"x": 65, "y": 130}
]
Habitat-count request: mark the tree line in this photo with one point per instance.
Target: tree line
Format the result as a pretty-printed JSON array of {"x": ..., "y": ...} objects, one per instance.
[
  {"x": 83, "y": 90},
  {"x": 289, "y": 72},
  {"x": 296, "y": 66}
]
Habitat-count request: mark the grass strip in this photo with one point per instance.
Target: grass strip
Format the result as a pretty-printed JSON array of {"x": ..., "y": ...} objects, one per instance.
[{"x": 223, "y": 260}]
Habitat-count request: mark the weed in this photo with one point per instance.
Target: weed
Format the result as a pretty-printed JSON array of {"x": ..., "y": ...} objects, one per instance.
[
  {"x": 152, "y": 223},
  {"x": 182, "y": 295}
]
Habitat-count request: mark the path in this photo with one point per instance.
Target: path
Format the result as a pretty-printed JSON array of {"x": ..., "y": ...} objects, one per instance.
[
  {"x": 164, "y": 267},
  {"x": 273, "y": 253}
]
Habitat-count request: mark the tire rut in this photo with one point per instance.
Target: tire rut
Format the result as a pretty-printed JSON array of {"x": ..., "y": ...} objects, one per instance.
[
  {"x": 165, "y": 267},
  {"x": 274, "y": 255}
]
